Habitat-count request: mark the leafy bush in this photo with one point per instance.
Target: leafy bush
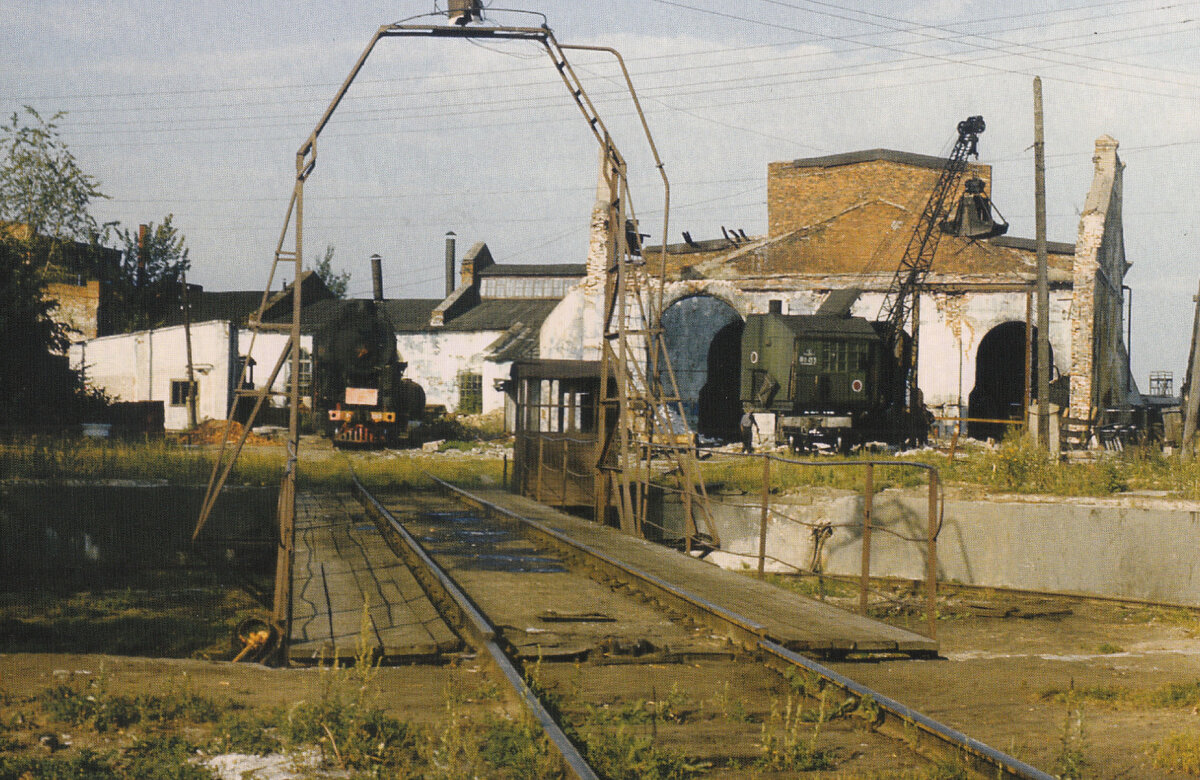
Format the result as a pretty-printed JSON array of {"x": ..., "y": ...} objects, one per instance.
[
  {"x": 92, "y": 706},
  {"x": 248, "y": 734},
  {"x": 619, "y": 755},
  {"x": 518, "y": 749}
]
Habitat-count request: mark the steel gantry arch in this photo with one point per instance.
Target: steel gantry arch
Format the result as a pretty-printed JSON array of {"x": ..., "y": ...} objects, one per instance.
[{"x": 636, "y": 419}]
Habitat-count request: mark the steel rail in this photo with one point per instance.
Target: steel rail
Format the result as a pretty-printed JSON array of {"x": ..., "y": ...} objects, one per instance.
[
  {"x": 898, "y": 720},
  {"x": 466, "y": 617},
  {"x": 987, "y": 760}
]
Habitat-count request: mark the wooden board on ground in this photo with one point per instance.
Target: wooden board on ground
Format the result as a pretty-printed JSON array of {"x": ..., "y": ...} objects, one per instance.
[
  {"x": 348, "y": 588},
  {"x": 793, "y": 620}
]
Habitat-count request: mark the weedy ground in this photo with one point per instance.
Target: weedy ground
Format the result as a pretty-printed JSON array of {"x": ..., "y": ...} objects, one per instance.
[{"x": 1016, "y": 465}]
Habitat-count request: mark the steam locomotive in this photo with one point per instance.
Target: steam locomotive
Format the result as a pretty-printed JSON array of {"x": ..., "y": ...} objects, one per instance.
[
  {"x": 359, "y": 388},
  {"x": 832, "y": 381}
]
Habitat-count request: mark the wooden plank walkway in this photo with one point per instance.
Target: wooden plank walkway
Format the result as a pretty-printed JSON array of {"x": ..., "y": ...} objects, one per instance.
[
  {"x": 795, "y": 621},
  {"x": 343, "y": 563}
]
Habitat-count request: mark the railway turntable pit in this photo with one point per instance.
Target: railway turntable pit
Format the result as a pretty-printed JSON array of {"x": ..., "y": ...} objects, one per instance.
[
  {"x": 546, "y": 601},
  {"x": 633, "y": 655}
]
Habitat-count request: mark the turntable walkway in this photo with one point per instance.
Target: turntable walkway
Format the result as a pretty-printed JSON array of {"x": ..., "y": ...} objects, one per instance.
[
  {"x": 343, "y": 563},
  {"x": 795, "y": 621}
]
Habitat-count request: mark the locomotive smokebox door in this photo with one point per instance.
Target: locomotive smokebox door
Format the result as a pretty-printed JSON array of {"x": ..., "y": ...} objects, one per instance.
[{"x": 361, "y": 396}]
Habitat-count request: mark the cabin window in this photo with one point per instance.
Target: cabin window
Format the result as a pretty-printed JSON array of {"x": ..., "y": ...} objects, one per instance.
[{"x": 842, "y": 356}]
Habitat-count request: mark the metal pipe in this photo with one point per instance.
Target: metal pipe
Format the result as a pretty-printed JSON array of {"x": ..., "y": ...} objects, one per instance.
[
  {"x": 1128, "y": 338},
  {"x": 931, "y": 556},
  {"x": 762, "y": 531},
  {"x": 868, "y": 499},
  {"x": 450, "y": 262},
  {"x": 377, "y": 277}
]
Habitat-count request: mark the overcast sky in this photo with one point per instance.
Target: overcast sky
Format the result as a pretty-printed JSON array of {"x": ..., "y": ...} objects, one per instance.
[{"x": 197, "y": 109}]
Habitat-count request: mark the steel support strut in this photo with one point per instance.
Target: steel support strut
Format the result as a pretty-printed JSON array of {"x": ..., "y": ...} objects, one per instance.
[{"x": 631, "y": 348}]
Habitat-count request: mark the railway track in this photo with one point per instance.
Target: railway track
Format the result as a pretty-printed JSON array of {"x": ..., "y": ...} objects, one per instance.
[{"x": 703, "y": 631}]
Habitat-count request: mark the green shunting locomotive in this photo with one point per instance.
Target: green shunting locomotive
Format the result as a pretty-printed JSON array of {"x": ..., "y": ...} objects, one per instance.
[{"x": 831, "y": 381}]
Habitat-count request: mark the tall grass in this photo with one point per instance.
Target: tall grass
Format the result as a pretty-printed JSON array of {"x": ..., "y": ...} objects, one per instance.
[
  {"x": 1016, "y": 466},
  {"x": 164, "y": 461},
  {"x": 745, "y": 474}
]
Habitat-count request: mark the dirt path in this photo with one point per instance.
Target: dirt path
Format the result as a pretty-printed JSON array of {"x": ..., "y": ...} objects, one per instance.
[
  {"x": 1134, "y": 672},
  {"x": 1003, "y": 680}
]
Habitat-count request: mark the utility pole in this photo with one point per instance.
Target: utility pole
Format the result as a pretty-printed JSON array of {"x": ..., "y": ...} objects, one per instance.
[
  {"x": 1193, "y": 387},
  {"x": 191, "y": 371},
  {"x": 1043, "y": 279}
]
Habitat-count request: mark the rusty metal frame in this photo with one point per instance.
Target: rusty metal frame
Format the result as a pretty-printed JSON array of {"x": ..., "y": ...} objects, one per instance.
[{"x": 619, "y": 280}]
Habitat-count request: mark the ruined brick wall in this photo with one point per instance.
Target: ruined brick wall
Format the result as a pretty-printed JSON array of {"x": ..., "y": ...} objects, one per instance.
[
  {"x": 78, "y": 307},
  {"x": 800, "y": 195},
  {"x": 1098, "y": 372}
]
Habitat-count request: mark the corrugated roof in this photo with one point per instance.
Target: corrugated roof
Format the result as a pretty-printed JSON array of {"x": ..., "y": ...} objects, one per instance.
[
  {"x": 405, "y": 314},
  {"x": 502, "y": 313},
  {"x": 520, "y": 342},
  {"x": 516, "y": 269},
  {"x": 412, "y": 315}
]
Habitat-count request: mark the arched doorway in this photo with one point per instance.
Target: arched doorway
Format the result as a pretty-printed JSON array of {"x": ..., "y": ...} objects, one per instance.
[
  {"x": 703, "y": 337},
  {"x": 999, "y": 392}
]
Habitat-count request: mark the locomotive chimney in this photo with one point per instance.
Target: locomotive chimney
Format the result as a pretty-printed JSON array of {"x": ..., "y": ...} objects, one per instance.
[
  {"x": 449, "y": 263},
  {"x": 377, "y": 276}
]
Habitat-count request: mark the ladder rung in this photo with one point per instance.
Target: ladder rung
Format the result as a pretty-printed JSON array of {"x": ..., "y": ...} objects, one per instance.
[
  {"x": 256, "y": 392},
  {"x": 278, "y": 327}
]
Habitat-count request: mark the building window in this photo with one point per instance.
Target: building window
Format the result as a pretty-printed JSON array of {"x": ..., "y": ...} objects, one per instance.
[
  {"x": 306, "y": 375},
  {"x": 470, "y": 393},
  {"x": 179, "y": 392}
]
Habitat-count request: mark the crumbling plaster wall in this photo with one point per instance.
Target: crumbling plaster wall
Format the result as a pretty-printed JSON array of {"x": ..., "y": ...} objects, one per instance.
[
  {"x": 954, "y": 318},
  {"x": 435, "y": 360},
  {"x": 574, "y": 329},
  {"x": 952, "y": 327},
  {"x": 1098, "y": 373},
  {"x": 141, "y": 366},
  {"x": 952, "y": 323}
]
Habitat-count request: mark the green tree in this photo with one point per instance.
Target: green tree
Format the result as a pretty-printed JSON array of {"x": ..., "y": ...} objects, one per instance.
[
  {"x": 42, "y": 186},
  {"x": 44, "y": 200},
  {"x": 149, "y": 281},
  {"x": 37, "y": 385},
  {"x": 335, "y": 282}
]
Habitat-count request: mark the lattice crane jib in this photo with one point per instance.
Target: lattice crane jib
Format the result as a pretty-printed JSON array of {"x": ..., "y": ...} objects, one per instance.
[
  {"x": 638, "y": 410},
  {"x": 900, "y": 302}
]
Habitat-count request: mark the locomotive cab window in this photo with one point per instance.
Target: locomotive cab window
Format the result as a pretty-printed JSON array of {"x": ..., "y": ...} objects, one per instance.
[
  {"x": 179, "y": 391},
  {"x": 842, "y": 356}
]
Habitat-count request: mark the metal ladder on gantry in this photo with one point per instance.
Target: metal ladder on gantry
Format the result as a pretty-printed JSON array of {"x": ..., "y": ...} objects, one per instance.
[{"x": 641, "y": 419}]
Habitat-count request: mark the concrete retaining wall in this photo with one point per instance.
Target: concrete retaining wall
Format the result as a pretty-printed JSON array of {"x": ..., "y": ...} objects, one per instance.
[
  {"x": 48, "y": 529},
  {"x": 1135, "y": 548}
]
